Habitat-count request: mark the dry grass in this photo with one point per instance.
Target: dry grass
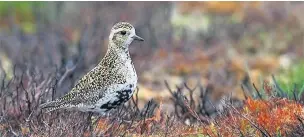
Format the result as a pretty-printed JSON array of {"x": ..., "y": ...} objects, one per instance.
[{"x": 20, "y": 116}]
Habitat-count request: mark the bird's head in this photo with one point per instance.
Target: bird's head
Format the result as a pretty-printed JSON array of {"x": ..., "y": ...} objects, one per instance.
[{"x": 122, "y": 34}]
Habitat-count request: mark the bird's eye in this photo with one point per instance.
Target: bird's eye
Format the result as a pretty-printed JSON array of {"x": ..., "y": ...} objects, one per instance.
[{"x": 123, "y": 32}]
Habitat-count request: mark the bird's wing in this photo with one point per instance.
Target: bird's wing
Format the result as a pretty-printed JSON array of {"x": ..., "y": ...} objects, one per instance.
[
  {"x": 72, "y": 99},
  {"x": 88, "y": 89},
  {"x": 92, "y": 81},
  {"x": 85, "y": 90}
]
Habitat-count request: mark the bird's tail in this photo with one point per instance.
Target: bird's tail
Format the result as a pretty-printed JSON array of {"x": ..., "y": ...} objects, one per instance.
[{"x": 51, "y": 106}]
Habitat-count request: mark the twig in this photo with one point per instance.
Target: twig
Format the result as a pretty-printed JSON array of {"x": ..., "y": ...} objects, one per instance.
[
  {"x": 265, "y": 133},
  {"x": 283, "y": 93},
  {"x": 300, "y": 119},
  {"x": 66, "y": 73},
  {"x": 256, "y": 89},
  {"x": 192, "y": 102},
  {"x": 193, "y": 113},
  {"x": 135, "y": 101}
]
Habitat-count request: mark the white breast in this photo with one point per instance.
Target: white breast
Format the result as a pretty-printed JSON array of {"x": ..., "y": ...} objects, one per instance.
[
  {"x": 131, "y": 73},
  {"x": 131, "y": 79}
]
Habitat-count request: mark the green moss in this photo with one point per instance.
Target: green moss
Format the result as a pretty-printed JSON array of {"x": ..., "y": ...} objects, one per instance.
[{"x": 291, "y": 79}]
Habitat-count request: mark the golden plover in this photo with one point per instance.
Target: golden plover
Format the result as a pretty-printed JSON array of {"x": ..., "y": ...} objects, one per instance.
[{"x": 111, "y": 83}]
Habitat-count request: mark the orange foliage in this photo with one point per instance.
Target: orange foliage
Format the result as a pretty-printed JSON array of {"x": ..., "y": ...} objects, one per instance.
[
  {"x": 275, "y": 116},
  {"x": 145, "y": 126}
]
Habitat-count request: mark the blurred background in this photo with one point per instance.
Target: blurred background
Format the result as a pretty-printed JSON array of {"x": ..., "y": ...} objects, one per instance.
[{"x": 220, "y": 45}]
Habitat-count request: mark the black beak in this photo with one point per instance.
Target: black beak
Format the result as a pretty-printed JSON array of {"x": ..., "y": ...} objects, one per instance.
[{"x": 135, "y": 37}]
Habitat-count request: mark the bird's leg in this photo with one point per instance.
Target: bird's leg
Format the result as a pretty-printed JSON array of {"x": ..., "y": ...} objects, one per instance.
[{"x": 89, "y": 121}]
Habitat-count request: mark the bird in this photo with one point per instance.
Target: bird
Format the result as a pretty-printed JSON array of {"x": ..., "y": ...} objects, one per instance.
[{"x": 109, "y": 84}]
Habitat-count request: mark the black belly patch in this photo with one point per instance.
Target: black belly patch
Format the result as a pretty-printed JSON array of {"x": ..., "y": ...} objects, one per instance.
[{"x": 122, "y": 97}]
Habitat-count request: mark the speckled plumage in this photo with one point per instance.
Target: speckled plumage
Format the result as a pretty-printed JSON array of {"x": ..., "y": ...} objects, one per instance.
[{"x": 108, "y": 85}]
